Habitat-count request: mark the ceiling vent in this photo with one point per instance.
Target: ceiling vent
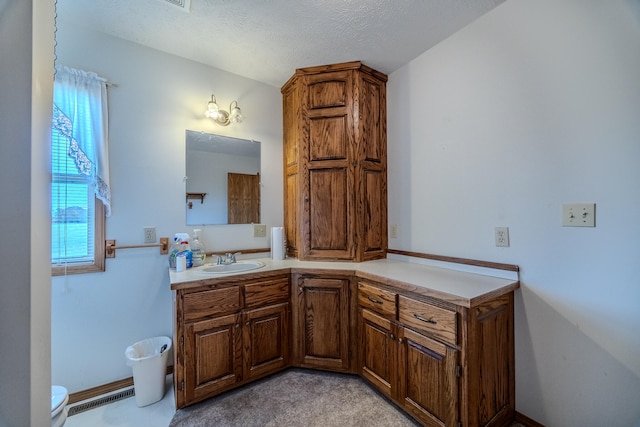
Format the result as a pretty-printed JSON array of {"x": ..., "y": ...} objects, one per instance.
[{"x": 184, "y": 5}]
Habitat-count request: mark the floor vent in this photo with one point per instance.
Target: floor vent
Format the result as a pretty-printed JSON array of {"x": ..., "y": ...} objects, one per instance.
[{"x": 91, "y": 404}]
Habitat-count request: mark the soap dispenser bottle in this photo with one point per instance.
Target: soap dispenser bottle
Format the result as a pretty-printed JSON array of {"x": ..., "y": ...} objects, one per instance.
[{"x": 198, "y": 250}]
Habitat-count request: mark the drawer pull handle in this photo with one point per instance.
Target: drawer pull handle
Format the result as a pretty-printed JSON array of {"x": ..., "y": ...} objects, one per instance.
[
  {"x": 422, "y": 319},
  {"x": 373, "y": 300}
]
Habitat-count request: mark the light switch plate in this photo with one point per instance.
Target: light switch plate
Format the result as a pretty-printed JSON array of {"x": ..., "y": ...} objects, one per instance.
[
  {"x": 579, "y": 215},
  {"x": 259, "y": 230}
]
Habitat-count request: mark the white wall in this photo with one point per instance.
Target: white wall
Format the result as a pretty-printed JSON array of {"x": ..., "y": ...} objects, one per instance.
[
  {"x": 534, "y": 105},
  {"x": 26, "y": 81},
  {"x": 96, "y": 316}
]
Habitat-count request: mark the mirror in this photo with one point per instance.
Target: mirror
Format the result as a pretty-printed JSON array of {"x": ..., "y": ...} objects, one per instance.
[{"x": 222, "y": 179}]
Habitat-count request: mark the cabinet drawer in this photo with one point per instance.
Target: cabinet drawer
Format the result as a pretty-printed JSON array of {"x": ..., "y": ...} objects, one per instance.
[
  {"x": 436, "y": 321},
  {"x": 266, "y": 292},
  {"x": 211, "y": 303},
  {"x": 376, "y": 299}
]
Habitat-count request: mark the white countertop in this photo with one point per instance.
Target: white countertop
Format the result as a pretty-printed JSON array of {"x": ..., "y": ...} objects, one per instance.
[{"x": 461, "y": 288}]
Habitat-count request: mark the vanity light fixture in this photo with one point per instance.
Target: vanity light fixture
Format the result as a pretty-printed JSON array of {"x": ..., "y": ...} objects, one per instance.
[{"x": 221, "y": 116}]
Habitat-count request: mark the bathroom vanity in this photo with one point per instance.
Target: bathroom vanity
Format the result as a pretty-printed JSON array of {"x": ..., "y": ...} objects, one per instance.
[{"x": 437, "y": 342}]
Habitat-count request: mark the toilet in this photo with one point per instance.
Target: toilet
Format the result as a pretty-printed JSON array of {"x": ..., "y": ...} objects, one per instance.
[{"x": 59, "y": 399}]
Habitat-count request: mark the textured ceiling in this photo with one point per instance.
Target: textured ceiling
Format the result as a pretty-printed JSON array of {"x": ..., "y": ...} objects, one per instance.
[{"x": 266, "y": 40}]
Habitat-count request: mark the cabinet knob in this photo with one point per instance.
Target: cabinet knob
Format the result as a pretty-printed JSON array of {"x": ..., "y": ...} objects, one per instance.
[
  {"x": 393, "y": 337},
  {"x": 246, "y": 324},
  {"x": 306, "y": 198},
  {"x": 237, "y": 325},
  {"x": 400, "y": 340}
]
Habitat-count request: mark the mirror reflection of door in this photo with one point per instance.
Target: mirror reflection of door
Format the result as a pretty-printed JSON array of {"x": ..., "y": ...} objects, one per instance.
[{"x": 243, "y": 197}]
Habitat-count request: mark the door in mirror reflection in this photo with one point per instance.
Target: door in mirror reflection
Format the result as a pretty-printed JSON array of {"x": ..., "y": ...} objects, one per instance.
[
  {"x": 223, "y": 179},
  {"x": 243, "y": 198}
]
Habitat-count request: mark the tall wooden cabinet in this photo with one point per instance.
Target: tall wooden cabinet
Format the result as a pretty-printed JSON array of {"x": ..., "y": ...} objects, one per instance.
[{"x": 335, "y": 163}]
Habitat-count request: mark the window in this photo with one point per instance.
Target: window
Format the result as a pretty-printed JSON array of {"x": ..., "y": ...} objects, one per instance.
[
  {"x": 79, "y": 194},
  {"x": 77, "y": 216}
]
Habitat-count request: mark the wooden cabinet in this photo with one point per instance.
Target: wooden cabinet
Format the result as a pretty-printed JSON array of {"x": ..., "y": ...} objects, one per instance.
[
  {"x": 378, "y": 352},
  {"x": 442, "y": 363},
  {"x": 214, "y": 360},
  {"x": 447, "y": 363},
  {"x": 335, "y": 155},
  {"x": 427, "y": 381},
  {"x": 321, "y": 315},
  {"x": 229, "y": 334},
  {"x": 266, "y": 340}
]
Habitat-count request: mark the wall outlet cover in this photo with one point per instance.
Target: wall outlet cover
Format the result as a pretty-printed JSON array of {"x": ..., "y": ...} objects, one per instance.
[
  {"x": 149, "y": 234},
  {"x": 502, "y": 236}
]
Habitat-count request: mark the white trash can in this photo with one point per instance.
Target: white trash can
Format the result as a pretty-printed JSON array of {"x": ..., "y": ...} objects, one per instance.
[{"x": 148, "y": 358}]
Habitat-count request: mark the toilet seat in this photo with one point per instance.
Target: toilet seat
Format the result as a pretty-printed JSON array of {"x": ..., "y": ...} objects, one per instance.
[{"x": 59, "y": 398}]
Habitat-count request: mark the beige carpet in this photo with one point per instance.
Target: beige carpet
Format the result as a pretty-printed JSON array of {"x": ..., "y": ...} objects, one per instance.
[{"x": 296, "y": 397}]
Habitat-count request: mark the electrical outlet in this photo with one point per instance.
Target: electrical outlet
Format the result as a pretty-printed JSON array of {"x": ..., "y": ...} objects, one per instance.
[
  {"x": 149, "y": 234},
  {"x": 259, "y": 230},
  {"x": 394, "y": 231},
  {"x": 502, "y": 236}
]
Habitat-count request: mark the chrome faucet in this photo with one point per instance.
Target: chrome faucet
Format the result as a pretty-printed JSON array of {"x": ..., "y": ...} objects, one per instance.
[{"x": 229, "y": 258}]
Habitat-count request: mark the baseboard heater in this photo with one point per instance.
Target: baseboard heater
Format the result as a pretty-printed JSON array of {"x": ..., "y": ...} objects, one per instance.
[
  {"x": 104, "y": 400},
  {"x": 107, "y": 393}
]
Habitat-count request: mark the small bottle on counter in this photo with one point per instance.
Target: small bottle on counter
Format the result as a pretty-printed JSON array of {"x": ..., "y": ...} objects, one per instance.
[{"x": 198, "y": 250}]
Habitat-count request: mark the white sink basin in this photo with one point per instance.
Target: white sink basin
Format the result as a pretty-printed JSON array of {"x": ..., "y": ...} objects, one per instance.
[{"x": 232, "y": 268}]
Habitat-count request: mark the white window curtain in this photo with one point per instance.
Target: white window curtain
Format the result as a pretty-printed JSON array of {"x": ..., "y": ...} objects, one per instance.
[{"x": 83, "y": 94}]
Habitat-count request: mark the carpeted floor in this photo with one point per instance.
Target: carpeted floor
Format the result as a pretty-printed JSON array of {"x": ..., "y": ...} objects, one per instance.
[{"x": 296, "y": 397}]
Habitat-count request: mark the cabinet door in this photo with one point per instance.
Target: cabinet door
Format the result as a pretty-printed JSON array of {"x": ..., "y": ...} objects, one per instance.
[
  {"x": 328, "y": 193},
  {"x": 377, "y": 351},
  {"x": 292, "y": 140},
  {"x": 371, "y": 172},
  {"x": 428, "y": 385},
  {"x": 214, "y": 356},
  {"x": 323, "y": 323},
  {"x": 266, "y": 340}
]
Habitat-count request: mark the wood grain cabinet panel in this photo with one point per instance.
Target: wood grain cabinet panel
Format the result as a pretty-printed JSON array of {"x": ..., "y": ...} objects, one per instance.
[
  {"x": 266, "y": 340},
  {"x": 428, "y": 386},
  {"x": 215, "y": 356},
  {"x": 322, "y": 327},
  {"x": 445, "y": 365},
  {"x": 230, "y": 335},
  {"x": 429, "y": 318},
  {"x": 378, "y": 349},
  {"x": 376, "y": 299},
  {"x": 335, "y": 177},
  {"x": 209, "y": 303}
]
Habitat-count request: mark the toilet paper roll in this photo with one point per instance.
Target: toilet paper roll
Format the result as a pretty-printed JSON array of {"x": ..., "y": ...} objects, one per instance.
[{"x": 277, "y": 243}]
